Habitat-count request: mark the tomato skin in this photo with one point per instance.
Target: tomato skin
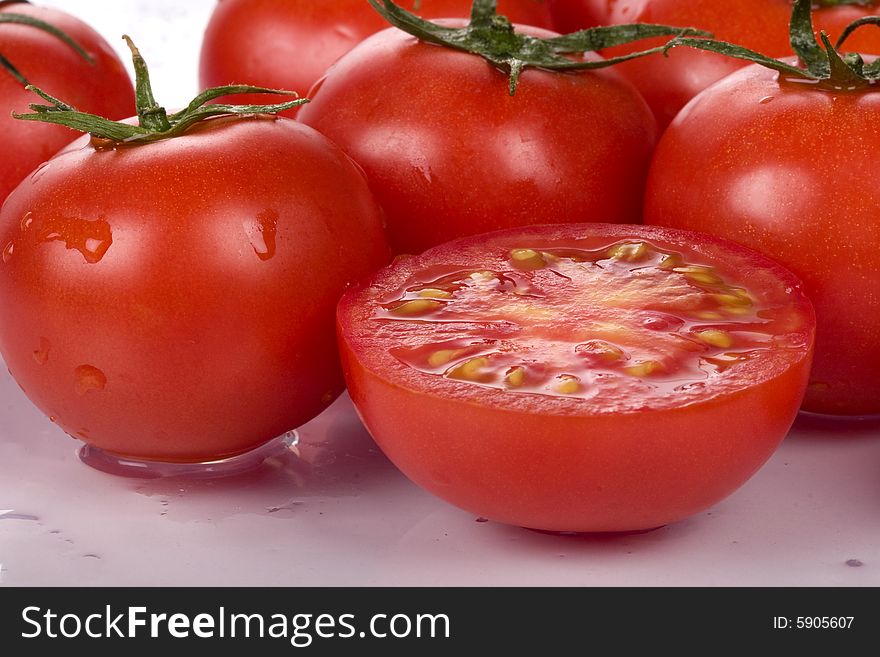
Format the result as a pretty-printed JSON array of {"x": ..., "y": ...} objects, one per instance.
[
  {"x": 761, "y": 25},
  {"x": 571, "y": 15},
  {"x": 789, "y": 170},
  {"x": 206, "y": 328},
  {"x": 103, "y": 88},
  {"x": 561, "y": 464},
  {"x": 288, "y": 44},
  {"x": 448, "y": 152}
]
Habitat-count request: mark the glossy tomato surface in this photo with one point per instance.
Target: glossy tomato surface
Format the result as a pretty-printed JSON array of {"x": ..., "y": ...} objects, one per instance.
[
  {"x": 448, "y": 152},
  {"x": 288, "y": 44},
  {"x": 789, "y": 169},
  {"x": 585, "y": 377},
  {"x": 762, "y": 25},
  {"x": 102, "y": 87},
  {"x": 175, "y": 300}
]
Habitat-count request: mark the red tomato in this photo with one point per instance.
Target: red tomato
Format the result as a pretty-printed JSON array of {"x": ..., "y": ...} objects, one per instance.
[
  {"x": 102, "y": 87},
  {"x": 570, "y": 15},
  {"x": 791, "y": 170},
  {"x": 288, "y": 44},
  {"x": 579, "y": 377},
  {"x": 761, "y": 25},
  {"x": 175, "y": 300},
  {"x": 448, "y": 152}
]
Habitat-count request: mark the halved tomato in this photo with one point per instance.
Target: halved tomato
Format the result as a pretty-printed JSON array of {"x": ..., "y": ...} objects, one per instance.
[{"x": 587, "y": 377}]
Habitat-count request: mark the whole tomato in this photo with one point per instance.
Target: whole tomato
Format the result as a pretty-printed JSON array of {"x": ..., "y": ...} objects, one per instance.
[
  {"x": 450, "y": 152},
  {"x": 99, "y": 86},
  {"x": 787, "y": 163},
  {"x": 174, "y": 299},
  {"x": 761, "y": 25},
  {"x": 288, "y": 44}
]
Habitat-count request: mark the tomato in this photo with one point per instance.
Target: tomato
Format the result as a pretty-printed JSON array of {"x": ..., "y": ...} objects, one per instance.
[
  {"x": 571, "y": 15},
  {"x": 175, "y": 300},
  {"x": 288, "y": 44},
  {"x": 101, "y": 87},
  {"x": 449, "y": 152},
  {"x": 761, "y": 25},
  {"x": 789, "y": 168},
  {"x": 586, "y": 377}
]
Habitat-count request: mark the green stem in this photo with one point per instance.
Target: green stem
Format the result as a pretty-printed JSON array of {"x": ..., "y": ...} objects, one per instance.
[
  {"x": 821, "y": 60},
  {"x": 30, "y": 21},
  {"x": 154, "y": 123},
  {"x": 493, "y": 38}
]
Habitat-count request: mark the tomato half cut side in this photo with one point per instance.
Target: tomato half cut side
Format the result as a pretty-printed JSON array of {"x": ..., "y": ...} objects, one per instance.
[{"x": 587, "y": 377}]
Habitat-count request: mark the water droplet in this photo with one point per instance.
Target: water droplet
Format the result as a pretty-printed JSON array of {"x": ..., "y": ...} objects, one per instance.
[
  {"x": 481, "y": 519},
  {"x": 854, "y": 563},
  {"x": 39, "y": 171},
  {"x": 766, "y": 99},
  {"x": 89, "y": 378},
  {"x": 91, "y": 238},
  {"x": 41, "y": 355},
  {"x": 27, "y": 221},
  {"x": 91, "y": 556},
  {"x": 261, "y": 233},
  {"x": 8, "y": 251},
  {"x": 10, "y": 514}
]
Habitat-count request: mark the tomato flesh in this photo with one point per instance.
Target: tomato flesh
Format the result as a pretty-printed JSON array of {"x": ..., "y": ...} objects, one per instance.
[{"x": 486, "y": 367}]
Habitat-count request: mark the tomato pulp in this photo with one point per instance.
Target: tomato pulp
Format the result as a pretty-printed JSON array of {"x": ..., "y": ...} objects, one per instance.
[
  {"x": 101, "y": 87},
  {"x": 449, "y": 152},
  {"x": 761, "y": 25},
  {"x": 788, "y": 168},
  {"x": 288, "y": 44},
  {"x": 175, "y": 300},
  {"x": 579, "y": 377}
]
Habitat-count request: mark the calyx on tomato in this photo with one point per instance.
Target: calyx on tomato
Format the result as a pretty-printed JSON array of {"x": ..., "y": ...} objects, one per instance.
[
  {"x": 22, "y": 19},
  {"x": 494, "y": 38},
  {"x": 821, "y": 61},
  {"x": 154, "y": 123}
]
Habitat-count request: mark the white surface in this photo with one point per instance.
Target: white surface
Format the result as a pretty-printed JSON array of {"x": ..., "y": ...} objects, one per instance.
[{"x": 342, "y": 515}]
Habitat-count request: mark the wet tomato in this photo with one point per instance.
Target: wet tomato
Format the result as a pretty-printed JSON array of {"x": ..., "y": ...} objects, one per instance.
[
  {"x": 449, "y": 152},
  {"x": 288, "y": 44},
  {"x": 789, "y": 168},
  {"x": 584, "y": 377},
  {"x": 175, "y": 300},
  {"x": 761, "y": 25},
  {"x": 101, "y": 86}
]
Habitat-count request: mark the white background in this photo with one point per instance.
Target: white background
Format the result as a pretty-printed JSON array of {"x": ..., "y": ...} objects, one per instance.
[{"x": 342, "y": 515}]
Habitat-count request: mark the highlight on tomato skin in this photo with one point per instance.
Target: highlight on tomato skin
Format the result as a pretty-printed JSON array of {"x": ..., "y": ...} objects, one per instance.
[
  {"x": 586, "y": 377},
  {"x": 289, "y": 44}
]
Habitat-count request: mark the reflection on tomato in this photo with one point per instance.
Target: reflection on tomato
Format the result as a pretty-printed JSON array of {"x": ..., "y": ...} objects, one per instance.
[
  {"x": 761, "y": 25},
  {"x": 288, "y": 44},
  {"x": 790, "y": 169},
  {"x": 175, "y": 300},
  {"x": 582, "y": 377},
  {"x": 449, "y": 152},
  {"x": 102, "y": 87}
]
